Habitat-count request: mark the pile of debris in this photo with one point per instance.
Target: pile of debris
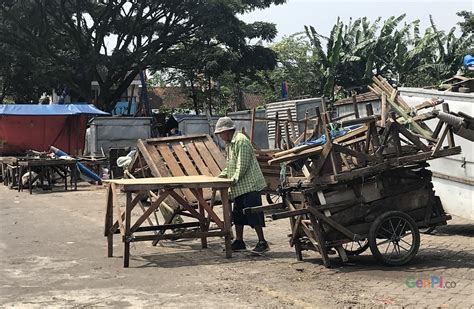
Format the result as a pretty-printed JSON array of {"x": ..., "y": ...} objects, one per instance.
[{"x": 355, "y": 178}]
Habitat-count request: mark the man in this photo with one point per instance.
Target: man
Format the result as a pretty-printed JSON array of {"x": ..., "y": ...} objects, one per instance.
[{"x": 242, "y": 167}]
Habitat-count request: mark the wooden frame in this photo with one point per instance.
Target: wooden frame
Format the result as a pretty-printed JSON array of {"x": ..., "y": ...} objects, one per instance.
[{"x": 135, "y": 189}]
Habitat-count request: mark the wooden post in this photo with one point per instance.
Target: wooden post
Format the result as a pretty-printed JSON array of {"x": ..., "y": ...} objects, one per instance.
[
  {"x": 109, "y": 217},
  {"x": 384, "y": 110},
  {"x": 323, "y": 104},
  {"x": 329, "y": 142},
  {"x": 227, "y": 222},
  {"x": 450, "y": 132},
  {"x": 354, "y": 104},
  {"x": 305, "y": 126},
  {"x": 287, "y": 135},
  {"x": 395, "y": 136},
  {"x": 317, "y": 128},
  {"x": 277, "y": 131},
  {"x": 127, "y": 237},
  {"x": 252, "y": 125}
]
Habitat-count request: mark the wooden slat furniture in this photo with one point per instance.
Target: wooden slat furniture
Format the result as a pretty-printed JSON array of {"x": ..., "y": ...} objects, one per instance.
[
  {"x": 188, "y": 155},
  {"x": 117, "y": 221},
  {"x": 45, "y": 169},
  {"x": 8, "y": 166}
]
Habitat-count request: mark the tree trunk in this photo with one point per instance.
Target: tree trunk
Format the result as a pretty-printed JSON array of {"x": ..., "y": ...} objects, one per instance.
[
  {"x": 109, "y": 96},
  {"x": 194, "y": 97},
  {"x": 4, "y": 88},
  {"x": 210, "y": 94}
]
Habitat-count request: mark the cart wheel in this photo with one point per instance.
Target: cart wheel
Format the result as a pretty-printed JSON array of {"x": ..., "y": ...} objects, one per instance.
[
  {"x": 356, "y": 247},
  {"x": 273, "y": 198},
  {"x": 394, "y": 238}
]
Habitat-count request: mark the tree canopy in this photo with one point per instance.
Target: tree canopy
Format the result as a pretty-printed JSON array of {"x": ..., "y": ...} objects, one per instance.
[{"x": 78, "y": 41}]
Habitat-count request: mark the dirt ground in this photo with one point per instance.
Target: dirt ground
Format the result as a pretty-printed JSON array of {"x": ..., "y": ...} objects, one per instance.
[{"x": 53, "y": 253}]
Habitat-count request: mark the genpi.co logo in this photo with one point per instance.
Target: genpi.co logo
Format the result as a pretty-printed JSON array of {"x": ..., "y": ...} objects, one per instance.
[{"x": 432, "y": 282}]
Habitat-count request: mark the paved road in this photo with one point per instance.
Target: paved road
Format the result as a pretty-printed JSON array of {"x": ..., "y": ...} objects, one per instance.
[{"x": 53, "y": 253}]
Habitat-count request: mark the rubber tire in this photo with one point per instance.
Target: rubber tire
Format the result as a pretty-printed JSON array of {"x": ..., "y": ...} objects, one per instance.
[
  {"x": 373, "y": 240},
  {"x": 358, "y": 251},
  {"x": 269, "y": 198}
]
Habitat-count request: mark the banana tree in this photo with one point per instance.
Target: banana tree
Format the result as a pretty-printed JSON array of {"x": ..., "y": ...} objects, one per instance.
[{"x": 329, "y": 59}]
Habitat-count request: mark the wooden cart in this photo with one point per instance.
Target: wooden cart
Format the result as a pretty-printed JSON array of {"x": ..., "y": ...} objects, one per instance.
[
  {"x": 382, "y": 211},
  {"x": 370, "y": 186}
]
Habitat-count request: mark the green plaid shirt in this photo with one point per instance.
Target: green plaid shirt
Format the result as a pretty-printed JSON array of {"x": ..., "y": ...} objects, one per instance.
[{"x": 242, "y": 167}]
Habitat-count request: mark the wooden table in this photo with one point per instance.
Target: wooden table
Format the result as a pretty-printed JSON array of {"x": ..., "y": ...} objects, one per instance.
[
  {"x": 45, "y": 167},
  {"x": 7, "y": 165},
  {"x": 163, "y": 187}
]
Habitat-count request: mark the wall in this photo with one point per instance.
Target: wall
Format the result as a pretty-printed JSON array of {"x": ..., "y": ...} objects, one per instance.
[
  {"x": 457, "y": 196},
  {"x": 260, "y": 131},
  {"x": 116, "y": 132}
]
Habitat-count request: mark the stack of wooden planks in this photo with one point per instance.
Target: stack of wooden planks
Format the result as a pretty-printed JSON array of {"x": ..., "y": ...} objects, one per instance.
[
  {"x": 395, "y": 138},
  {"x": 376, "y": 171}
]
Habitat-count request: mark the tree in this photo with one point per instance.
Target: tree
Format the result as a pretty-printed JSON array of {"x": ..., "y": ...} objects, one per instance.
[
  {"x": 111, "y": 41},
  {"x": 204, "y": 63}
]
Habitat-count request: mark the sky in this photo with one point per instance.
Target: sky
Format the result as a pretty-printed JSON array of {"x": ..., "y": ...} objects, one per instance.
[{"x": 292, "y": 16}]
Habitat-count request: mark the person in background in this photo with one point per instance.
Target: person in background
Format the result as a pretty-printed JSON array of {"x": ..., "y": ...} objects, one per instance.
[{"x": 247, "y": 182}]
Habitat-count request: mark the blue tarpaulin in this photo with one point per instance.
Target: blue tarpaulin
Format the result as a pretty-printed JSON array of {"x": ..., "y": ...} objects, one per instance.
[{"x": 38, "y": 110}]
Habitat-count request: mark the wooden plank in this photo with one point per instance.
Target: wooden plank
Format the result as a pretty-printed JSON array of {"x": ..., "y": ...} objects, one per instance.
[
  {"x": 154, "y": 206},
  {"x": 257, "y": 209},
  {"x": 360, "y": 155},
  {"x": 294, "y": 150},
  {"x": 289, "y": 213},
  {"x": 414, "y": 139},
  {"x": 322, "y": 159},
  {"x": 208, "y": 208},
  {"x": 427, "y": 155},
  {"x": 306, "y": 230},
  {"x": 396, "y": 141},
  {"x": 116, "y": 204},
  {"x": 441, "y": 139},
  {"x": 384, "y": 110},
  {"x": 170, "y": 160},
  {"x": 333, "y": 224},
  {"x": 127, "y": 236},
  {"x": 353, "y": 141},
  {"x": 163, "y": 170},
  {"x": 202, "y": 167},
  {"x": 180, "y": 236},
  {"x": 226, "y": 210},
  {"x": 173, "y": 166},
  {"x": 187, "y": 164},
  {"x": 217, "y": 155},
  {"x": 187, "y": 207},
  {"x": 207, "y": 157},
  {"x": 351, "y": 134},
  {"x": 292, "y": 157},
  {"x": 320, "y": 239},
  {"x": 181, "y": 181},
  {"x": 437, "y": 130},
  {"x": 354, "y": 105},
  {"x": 184, "y": 159},
  {"x": 450, "y": 132},
  {"x": 146, "y": 155}
]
